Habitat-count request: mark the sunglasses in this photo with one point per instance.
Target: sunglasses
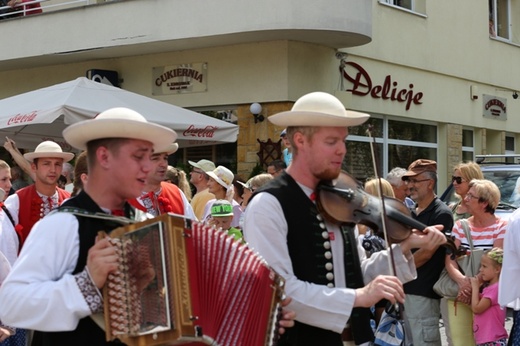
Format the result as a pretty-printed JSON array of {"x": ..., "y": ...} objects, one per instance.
[{"x": 457, "y": 180}]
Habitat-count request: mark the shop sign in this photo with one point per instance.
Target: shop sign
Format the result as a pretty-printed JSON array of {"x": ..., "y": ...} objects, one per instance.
[
  {"x": 183, "y": 78},
  {"x": 388, "y": 90},
  {"x": 494, "y": 107}
]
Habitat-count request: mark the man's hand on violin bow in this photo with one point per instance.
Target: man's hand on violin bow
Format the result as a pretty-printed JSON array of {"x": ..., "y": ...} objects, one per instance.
[
  {"x": 429, "y": 239},
  {"x": 382, "y": 287}
]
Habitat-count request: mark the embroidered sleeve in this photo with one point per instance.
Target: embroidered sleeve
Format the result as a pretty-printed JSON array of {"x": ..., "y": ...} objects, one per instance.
[{"x": 90, "y": 292}]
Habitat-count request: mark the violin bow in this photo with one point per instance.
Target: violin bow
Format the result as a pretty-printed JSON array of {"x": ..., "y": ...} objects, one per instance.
[{"x": 391, "y": 261}]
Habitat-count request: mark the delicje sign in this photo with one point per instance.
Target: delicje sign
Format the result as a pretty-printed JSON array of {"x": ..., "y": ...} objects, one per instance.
[
  {"x": 389, "y": 89},
  {"x": 183, "y": 78}
]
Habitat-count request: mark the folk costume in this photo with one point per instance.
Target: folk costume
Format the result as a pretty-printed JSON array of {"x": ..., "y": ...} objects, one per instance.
[
  {"x": 317, "y": 284},
  {"x": 27, "y": 207},
  {"x": 168, "y": 199}
]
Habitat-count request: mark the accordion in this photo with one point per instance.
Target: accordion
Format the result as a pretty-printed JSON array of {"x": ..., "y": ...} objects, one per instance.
[{"x": 182, "y": 282}]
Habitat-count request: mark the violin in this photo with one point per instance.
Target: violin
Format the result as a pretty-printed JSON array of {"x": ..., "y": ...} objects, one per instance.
[{"x": 344, "y": 200}]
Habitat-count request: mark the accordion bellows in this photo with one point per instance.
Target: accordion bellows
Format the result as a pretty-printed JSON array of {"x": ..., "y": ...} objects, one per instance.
[{"x": 181, "y": 282}]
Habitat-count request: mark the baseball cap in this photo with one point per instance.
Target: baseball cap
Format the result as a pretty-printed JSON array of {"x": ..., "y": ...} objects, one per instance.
[{"x": 221, "y": 207}]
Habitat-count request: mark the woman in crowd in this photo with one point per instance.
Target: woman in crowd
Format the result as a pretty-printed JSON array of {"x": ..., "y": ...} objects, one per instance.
[
  {"x": 220, "y": 184},
  {"x": 463, "y": 173},
  {"x": 487, "y": 231},
  {"x": 178, "y": 177},
  {"x": 80, "y": 173}
]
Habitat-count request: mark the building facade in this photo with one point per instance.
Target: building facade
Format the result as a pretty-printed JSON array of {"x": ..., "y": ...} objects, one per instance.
[{"x": 439, "y": 78}]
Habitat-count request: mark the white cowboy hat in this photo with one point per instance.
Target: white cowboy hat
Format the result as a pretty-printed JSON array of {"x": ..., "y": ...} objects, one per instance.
[
  {"x": 223, "y": 176},
  {"x": 48, "y": 149},
  {"x": 170, "y": 149},
  {"x": 318, "y": 109},
  {"x": 118, "y": 122}
]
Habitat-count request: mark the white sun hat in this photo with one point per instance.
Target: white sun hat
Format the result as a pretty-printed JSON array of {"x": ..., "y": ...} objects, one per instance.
[
  {"x": 223, "y": 176},
  {"x": 318, "y": 109},
  {"x": 118, "y": 122},
  {"x": 48, "y": 149}
]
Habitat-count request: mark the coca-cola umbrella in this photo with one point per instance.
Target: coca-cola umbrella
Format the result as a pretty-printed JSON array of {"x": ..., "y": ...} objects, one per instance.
[{"x": 42, "y": 114}]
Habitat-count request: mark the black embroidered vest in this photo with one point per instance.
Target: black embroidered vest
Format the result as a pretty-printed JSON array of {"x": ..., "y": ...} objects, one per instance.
[{"x": 309, "y": 249}]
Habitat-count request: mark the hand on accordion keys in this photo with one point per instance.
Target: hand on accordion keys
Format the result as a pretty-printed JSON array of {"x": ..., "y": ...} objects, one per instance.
[
  {"x": 288, "y": 316},
  {"x": 101, "y": 260}
]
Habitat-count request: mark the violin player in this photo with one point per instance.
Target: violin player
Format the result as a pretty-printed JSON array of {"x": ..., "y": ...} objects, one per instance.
[
  {"x": 327, "y": 274},
  {"x": 422, "y": 303}
]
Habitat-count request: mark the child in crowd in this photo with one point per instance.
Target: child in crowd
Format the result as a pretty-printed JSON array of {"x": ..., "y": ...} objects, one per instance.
[
  {"x": 221, "y": 217},
  {"x": 489, "y": 317}
]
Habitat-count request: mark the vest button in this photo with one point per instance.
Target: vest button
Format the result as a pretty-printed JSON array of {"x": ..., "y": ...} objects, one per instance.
[
  {"x": 322, "y": 225},
  {"x": 319, "y": 217},
  {"x": 328, "y": 255},
  {"x": 328, "y": 266},
  {"x": 326, "y": 245},
  {"x": 330, "y": 276},
  {"x": 330, "y": 285},
  {"x": 325, "y": 235}
]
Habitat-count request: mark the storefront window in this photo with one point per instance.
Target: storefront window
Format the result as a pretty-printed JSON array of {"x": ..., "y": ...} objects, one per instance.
[
  {"x": 468, "y": 148},
  {"x": 398, "y": 143}
]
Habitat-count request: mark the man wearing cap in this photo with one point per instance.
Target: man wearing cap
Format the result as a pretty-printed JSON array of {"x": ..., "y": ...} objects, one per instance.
[
  {"x": 422, "y": 303},
  {"x": 158, "y": 196},
  {"x": 319, "y": 259},
  {"x": 31, "y": 203},
  {"x": 221, "y": 216},
  {"x": 199, "y": 178},
  {"x": 54, "y": 286}
]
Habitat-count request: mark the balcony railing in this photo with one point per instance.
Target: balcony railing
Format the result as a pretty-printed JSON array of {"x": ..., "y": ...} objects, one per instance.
[{"x": 21, "y": 10}]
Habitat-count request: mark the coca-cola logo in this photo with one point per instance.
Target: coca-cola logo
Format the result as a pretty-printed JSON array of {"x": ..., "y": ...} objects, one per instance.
[
  {"x": 206, "y": 132},
  {"x": 22, "y": 118}
]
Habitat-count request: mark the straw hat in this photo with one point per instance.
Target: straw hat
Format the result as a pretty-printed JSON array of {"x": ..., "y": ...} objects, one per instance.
[
  {"x": 318, "y": 109},
  {"x": 223, "y": 176},
  {"x": 48, "y": 149},
  {"x": 118, "y": 123}
]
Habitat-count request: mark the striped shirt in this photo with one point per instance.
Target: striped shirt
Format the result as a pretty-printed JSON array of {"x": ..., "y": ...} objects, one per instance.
[{"x": 483, "y": 237}]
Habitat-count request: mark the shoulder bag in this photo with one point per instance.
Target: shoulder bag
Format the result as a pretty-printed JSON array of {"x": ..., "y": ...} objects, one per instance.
[{"x": 469, "y": 265}]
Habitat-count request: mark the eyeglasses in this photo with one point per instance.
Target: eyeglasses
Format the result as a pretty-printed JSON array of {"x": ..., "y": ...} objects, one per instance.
[
  {"x": 470, "y": 196},
  {"x": 199, "y": 172},
  {"x": 415, "y": 181},
  {"x": 457, "y": 180}
]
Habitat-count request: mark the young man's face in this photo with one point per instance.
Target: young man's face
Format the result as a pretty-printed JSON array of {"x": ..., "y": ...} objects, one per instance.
[
  {"x": 323, "y": 152},
  {"x": 47, "y": 170},
  {"x": 129, "y": 167}
]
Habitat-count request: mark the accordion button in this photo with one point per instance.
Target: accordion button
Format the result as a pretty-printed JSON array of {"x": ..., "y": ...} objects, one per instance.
[
  {"x": 325, "y": 235},
  {"x": 330, "y": 276},
  {"x": 326, "y": 245},
  {"x": 330, "y": 285},
  {"x": 328, "y": 255},
  {"x": 328, "y": 266}
]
